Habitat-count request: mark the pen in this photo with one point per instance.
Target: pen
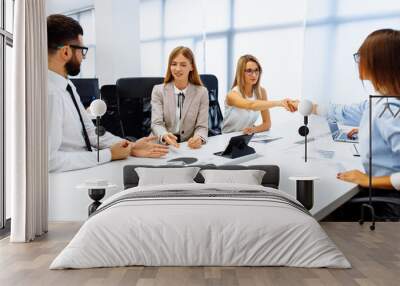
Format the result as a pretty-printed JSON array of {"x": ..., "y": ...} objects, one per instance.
[{"x": 357, "y": 154}]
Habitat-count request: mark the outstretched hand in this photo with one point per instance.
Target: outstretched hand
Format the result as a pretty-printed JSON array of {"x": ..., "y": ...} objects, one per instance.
[
  {"x": 289, "y": 104},
  {"x": 146, "y": 147},
  {"x": 294, "y": 103}
]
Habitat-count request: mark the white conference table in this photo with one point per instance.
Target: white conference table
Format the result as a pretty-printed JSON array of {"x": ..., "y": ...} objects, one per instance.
[{"x": 325, "y": 159}]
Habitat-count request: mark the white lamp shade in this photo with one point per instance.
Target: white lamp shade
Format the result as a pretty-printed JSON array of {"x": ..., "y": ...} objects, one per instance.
[
  {"x": 305, "y": 107},
  {"x": 98, "y": 107}
]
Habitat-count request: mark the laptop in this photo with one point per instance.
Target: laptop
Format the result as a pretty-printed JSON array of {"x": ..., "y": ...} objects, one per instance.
[{"x": 340, "y": 136}]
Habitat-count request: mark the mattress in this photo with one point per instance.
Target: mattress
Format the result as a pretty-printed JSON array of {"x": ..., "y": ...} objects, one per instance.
[{"x": 201, "y": 225}]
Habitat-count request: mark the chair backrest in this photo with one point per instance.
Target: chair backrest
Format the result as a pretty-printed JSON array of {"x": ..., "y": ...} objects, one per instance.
[
  {"x": 109, "y": 95},
  {"x": 210, "y": 81},
  {"x": 87, "y": 88},
  {"x": 215, "y": 117},
  {"x": 111, "y": 121},
  {"x": 134, "y": 103}
]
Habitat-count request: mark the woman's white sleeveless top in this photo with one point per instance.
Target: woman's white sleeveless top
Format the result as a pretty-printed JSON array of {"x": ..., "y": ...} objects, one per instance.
[{"x": 236, "y": 119}]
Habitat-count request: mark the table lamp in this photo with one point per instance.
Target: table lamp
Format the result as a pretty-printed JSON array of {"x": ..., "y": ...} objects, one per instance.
[
  {"x": 98, "y": 108},
  {"x": 305, "y": 109}
]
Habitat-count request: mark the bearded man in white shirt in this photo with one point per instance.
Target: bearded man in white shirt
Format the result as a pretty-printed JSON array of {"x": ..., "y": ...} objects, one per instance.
[{"x": 72, "y": 137}]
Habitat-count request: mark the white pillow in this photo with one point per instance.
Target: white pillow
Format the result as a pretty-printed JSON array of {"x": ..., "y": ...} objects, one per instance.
[
  {"x": 248, "y": 177},
  {"x": 166, "y": 176}
]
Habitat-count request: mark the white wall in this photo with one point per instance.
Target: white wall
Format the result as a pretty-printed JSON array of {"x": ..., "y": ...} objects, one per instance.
[
  {"x": 117, "y": 40},
  {"x": 117, "y": 35}
]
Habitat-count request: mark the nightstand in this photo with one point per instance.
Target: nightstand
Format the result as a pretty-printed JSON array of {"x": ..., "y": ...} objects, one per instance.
[
  {"x": 96, "y": 191},
  {"x": 305, "y": 190}
]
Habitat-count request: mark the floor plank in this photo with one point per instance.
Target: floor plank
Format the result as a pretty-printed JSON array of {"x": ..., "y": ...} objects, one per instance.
[{"x": 374, "y": 255}]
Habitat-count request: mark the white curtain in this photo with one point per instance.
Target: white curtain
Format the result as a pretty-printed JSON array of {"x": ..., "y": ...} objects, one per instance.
[{"x": 27, "y": 118}]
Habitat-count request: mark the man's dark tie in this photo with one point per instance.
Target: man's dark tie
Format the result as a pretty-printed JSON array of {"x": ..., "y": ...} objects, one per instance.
[
  {"x": 181, "y": 99},
  {"x": 85, "y": 135}
]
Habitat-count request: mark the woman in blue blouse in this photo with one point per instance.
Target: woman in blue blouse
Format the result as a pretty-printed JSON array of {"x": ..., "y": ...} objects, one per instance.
[{"x": 379, "y": 62}]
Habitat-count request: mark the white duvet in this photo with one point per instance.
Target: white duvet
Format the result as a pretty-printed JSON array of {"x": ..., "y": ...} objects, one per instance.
[{"x": 206, "y": 231}]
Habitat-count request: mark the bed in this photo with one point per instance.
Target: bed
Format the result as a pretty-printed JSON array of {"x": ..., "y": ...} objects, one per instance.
[{"x": 201, "y": 224}]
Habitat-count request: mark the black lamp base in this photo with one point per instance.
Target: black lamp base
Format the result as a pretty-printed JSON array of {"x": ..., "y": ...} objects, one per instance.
[
  {"x": 96, "y": 195},
  {"x": 305, "y": 193}
]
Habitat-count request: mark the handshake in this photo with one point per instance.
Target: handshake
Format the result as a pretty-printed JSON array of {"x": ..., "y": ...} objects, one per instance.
[{"x": 289, "y": 104}]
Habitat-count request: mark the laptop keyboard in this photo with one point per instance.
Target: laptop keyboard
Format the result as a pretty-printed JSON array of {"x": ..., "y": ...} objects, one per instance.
[{"x": 343, "y": 137}]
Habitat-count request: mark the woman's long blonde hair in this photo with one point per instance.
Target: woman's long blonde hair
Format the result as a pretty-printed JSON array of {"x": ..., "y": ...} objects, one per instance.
[
  {"x": 240, "y": 70},
  {"x": 194, "y": 77}
]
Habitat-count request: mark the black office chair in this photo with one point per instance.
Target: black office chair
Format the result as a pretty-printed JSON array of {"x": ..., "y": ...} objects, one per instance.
[
  {"x": 215, "y": 117},
  {"x": 87, "y": 88},
  {"x": 386, "y": 204},
  {"x": 134, "y": 105},
  {"x": 111, "y": 120}
]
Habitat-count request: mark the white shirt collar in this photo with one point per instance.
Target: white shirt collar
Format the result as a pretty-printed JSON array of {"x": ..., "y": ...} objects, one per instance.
[
  {"x": 177, "y": 90},
  {"x": 58, "y": 80}
]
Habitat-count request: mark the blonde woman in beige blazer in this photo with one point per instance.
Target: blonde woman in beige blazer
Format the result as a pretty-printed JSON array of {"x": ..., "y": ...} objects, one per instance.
[{"x": 179, "y": 106}]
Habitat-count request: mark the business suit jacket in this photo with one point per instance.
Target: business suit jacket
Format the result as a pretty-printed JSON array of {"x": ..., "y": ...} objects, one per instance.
[{"x": 194, "y": 113}]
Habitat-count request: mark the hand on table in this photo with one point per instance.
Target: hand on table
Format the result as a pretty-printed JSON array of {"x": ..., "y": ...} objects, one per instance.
[
  {"x": 171, "y": 139},
  {"x": 354, "y": 176},
  {"x": 120, "y": 150},
  {"x": 195, "y": 142},
  {"x": 146, "y": 147},
  {"x": 249, "y": 130},
  {"x": 352, "y": 134}
]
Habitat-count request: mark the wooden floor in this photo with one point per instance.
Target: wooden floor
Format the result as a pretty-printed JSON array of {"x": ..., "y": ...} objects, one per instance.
[{"x": 375, "y": 257}]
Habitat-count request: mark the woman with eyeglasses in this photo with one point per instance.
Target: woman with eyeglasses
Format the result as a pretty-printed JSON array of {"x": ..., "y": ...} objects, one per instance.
[
  {"x": 180, "y": 105},
  {"x": 248, "y": 99},
  {"x": 378, "y": 62}
]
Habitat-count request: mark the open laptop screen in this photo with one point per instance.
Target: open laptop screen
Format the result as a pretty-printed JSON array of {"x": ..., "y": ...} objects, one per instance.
[{"x": 334, "y": 128}]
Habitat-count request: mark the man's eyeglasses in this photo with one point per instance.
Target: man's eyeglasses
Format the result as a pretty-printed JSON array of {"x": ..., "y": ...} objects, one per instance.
[
  {"x": 250, "y": 71},
  {"x": 356, "y": 57},
  {"x": 84, "y": 50}
]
